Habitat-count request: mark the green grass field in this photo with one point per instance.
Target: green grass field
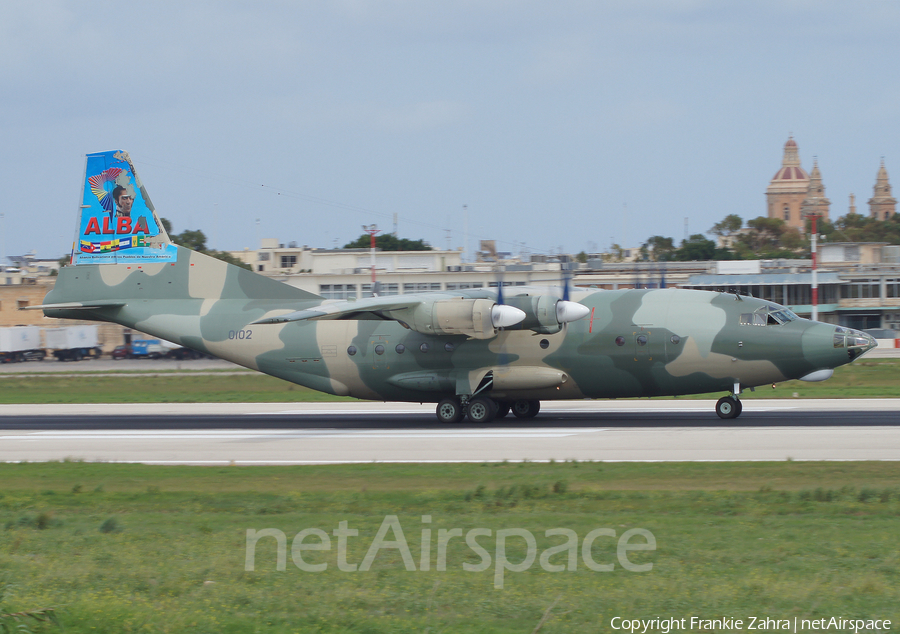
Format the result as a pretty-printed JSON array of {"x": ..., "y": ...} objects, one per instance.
[
  {"x": 133, "y": 548},
  {"x": 863, "y": 379}
]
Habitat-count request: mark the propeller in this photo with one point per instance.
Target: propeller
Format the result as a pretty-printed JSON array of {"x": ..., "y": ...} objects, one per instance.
[
  {"x": 504, "y": 316},
  {"x": 566, "y": 310}
]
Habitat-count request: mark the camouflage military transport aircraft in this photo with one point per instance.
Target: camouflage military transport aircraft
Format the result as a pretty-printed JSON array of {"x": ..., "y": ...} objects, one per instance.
[{"x": 473, "y": 352}]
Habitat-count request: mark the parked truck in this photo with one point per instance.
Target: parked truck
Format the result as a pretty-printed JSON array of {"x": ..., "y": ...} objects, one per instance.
[
  {"x": 147, "y": 349},
  {"x": 21, "y": 343},
  {"x": 73, "y": 343}
]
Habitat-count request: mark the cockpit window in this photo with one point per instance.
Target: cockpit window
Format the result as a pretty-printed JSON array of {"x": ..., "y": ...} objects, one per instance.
[
  {"x": 753, "y": 319},
  {"x": 784, "y": 315},
  {"x": 768, "y": 316}
]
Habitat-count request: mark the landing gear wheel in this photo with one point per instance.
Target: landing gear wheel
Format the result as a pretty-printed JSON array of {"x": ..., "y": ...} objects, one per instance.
[
  {"x": 740, "y": 407},
  {"x": 482, "y": 410},
  {"x": 449, "y": 411},
  {"x": 526, "y": 409},
  {"x": 728, "y": 407},
  {"x": 502, "y": 408}
]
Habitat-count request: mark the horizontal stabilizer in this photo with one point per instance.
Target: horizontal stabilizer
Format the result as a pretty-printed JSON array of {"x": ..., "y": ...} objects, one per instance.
[{"x": 100, "y": 303}]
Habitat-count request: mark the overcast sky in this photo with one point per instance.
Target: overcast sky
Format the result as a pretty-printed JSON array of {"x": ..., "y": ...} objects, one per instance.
[{"x": 568, "y": 124}]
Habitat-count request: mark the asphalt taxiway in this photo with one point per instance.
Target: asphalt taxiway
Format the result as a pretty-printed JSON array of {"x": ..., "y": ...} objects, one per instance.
[{"x": 317, "y": 433}]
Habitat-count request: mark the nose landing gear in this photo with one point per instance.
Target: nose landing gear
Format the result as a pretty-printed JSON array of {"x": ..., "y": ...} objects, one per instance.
[{"x": 730, "y": 406}]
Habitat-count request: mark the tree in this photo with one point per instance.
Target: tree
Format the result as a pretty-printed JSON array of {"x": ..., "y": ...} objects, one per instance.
[
  {"x": 388, "y": 242},
  {"x": 658, "y": 249},
  {"x": 615, "y": 254},
  {"x": 768, "y": 238},
  {"x": 582, "y": 257},
  {"x": 696, "y": 247},
  {"x": 195, "y": 240},
  {"x": 730, "y": 224},
  {"x": 192, "y": 239}
]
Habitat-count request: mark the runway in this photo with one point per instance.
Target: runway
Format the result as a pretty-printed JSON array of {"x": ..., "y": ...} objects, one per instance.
[{"x": 323, "y": 433}]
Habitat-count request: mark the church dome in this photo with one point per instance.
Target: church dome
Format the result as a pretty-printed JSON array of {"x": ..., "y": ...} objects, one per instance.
[
  {"x": 791, "y": 176},
  {"x": 790, "y": 165},
  {"x": 791, "y": 173}
]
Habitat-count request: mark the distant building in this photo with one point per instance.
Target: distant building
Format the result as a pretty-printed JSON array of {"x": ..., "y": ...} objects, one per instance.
[
  {"x": 815, "y": 203},
  {"x": 793, "y": 194},
  {"x": 788, "y": 188},
  {"x": 275, "y": 258},
  {"x": 882, "y": 205}
]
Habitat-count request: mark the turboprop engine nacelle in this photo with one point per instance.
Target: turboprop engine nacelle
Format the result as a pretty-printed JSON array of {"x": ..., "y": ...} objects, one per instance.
[
  {"x": 475, "y": 318},
  {"x": 545, "y": 314}
]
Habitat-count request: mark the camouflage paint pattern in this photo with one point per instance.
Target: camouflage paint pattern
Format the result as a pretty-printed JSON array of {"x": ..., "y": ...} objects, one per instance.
[{"x": 634, "y": 343}]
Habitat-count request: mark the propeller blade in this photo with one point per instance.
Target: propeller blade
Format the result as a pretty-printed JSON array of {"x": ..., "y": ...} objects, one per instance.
[
  {"x": 503, "y": 316},
  {"x": 567, "y": 311}
]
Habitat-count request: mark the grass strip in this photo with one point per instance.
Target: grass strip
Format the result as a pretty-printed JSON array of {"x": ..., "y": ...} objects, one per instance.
[
  {"x": 175, "y": 388},
  {"x": 117, "y": 548}
]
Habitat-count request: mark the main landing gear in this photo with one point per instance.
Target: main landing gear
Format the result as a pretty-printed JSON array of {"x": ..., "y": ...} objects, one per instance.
[
  {"x": 730, "y": 406},
  {"x": 482, "y": 409}
]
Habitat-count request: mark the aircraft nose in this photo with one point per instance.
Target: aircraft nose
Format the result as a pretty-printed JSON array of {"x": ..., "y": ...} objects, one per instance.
[{"x": 858, "y": 343}]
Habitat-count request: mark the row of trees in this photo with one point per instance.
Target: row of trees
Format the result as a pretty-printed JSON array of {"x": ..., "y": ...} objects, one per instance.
[
  {"x": 388, "y": 242},
  {"x": 767, "y": 238}
]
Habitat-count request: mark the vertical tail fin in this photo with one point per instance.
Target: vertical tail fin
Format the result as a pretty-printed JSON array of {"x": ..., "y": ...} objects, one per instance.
[{"x": 117, "y": 222}]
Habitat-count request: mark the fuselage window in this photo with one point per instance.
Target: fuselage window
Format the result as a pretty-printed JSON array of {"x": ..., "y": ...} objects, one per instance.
[
  {"x": 449, "y": 347},
  {"x": 641, "y": 340},
  {"x": 400, "y": 348},
  {"x": 675, "y": 339},
  {"x": 351, "y": 350},
  {"x": 423, "y": 347},
  {"x": 379, "y": 349},
  {"x": 620, "y": 341},
  {"x": 545, "y": 344}
]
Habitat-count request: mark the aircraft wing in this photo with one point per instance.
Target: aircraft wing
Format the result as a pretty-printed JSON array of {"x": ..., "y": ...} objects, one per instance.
[
  {"x": 347, "y": 308},
  {"x": 470, "y": 314},
  {"x": 428, "y": 313}
]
